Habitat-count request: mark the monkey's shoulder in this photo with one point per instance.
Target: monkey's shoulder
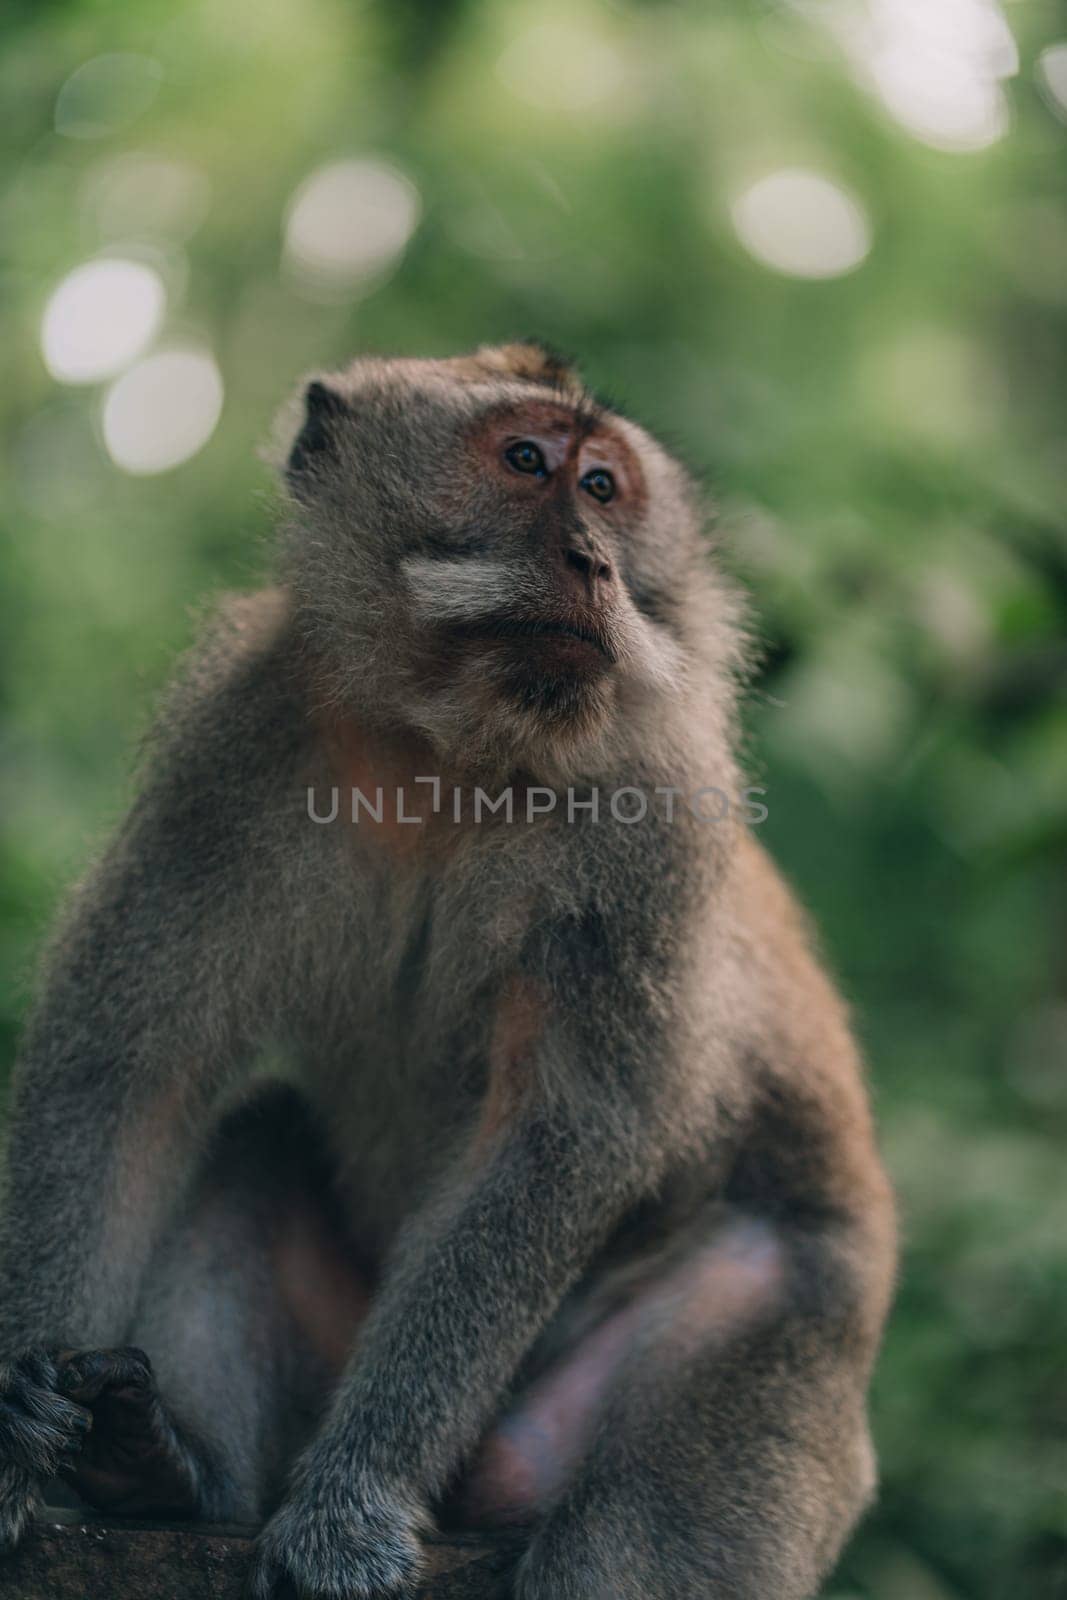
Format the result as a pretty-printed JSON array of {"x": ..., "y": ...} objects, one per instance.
[
  {"x": 239, "y": 632},
  {"x": 235, "y": 699}
]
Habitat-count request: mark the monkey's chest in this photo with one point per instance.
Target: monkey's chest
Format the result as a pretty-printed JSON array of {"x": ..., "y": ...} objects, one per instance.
[
  {"x": 408, "y": 1083},
  {"x": 399, "y": 1114},
  {"x": 423, "y": 1062}
]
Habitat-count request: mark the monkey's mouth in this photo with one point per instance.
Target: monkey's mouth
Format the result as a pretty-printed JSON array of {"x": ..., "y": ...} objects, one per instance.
[{"x": 563, "y": 638}]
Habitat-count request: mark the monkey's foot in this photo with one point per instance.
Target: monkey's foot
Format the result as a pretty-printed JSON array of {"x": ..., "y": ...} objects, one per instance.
[
  {"x": 132, "y": 1460},
  {"x": 40, "y": 1432}
]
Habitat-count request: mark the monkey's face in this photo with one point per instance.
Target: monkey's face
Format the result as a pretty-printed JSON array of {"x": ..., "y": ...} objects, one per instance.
[{"x": 498, "y": 561}]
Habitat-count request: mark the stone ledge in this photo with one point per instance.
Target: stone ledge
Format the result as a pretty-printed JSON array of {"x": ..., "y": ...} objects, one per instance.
[{"x": 70, "y": 1556}]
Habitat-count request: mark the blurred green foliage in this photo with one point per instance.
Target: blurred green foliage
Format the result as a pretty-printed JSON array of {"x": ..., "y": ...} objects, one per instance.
[{"x": 887, "y": 453}]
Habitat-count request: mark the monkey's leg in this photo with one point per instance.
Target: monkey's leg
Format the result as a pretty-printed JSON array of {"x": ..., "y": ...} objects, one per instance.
[
  {"x": 724, "y": 1278},
  {"x": 707, "y": 1441},
  {"x": 246, "y": 1316}
]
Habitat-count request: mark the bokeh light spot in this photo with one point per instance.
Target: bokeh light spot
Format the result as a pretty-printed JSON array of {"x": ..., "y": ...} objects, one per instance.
[
  {"x": 100, "y": 318},
  {"x": 802, "y": 223},
  {"x": 944, "y": 103},
  {"x": 348, "y": 221},
  {"x": 106, "y": 94},
  {"x": 936, "y": 65},
  {"x": 1052, "y": 75},
  {"x": 162, "y": 411}
]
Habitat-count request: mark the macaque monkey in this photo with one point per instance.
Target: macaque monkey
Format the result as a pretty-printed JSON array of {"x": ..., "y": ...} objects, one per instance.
[{"x": 420, "y": 1161}]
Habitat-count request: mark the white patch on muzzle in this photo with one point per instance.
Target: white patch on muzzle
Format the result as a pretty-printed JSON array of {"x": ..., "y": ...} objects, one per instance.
[{"x": 461, "y": 590}]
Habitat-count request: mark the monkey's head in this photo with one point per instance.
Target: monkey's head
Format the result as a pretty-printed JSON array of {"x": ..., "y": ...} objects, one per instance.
[{"x": 484, "y": 553}]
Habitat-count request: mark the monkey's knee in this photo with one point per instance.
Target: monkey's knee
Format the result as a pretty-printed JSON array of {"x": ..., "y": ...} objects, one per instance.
[{"x": 712, "y": 1292}]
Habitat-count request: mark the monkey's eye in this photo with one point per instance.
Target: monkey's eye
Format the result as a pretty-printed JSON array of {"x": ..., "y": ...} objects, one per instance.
[
  {"x": 600, "y": 484},
  {"x": 526, "y": 457}
]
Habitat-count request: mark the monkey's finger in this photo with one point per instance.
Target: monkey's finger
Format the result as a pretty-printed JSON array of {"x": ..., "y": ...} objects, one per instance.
[
  {"x": 84, "y": 1374},
  {"x": 34, "y": 1445},
  {"x": 54, "y": 1410},
  {"x": 68, "y": 1466},
  {"x": 35, "y": 1366},
  {"x": 36, "y": 1423}
]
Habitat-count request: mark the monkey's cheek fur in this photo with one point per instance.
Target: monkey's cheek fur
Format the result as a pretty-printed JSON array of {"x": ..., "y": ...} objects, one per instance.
[{"x": 335, "y": 1548}]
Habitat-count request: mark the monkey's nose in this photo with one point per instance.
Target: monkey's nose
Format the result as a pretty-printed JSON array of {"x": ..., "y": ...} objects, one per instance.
[{"x": 590, "y": 566}]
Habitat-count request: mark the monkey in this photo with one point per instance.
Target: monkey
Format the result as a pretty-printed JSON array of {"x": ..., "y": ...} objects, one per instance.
[{"x": 380, "y": 1169}]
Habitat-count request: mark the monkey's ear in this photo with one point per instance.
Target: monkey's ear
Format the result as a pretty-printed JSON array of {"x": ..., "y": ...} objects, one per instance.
[{"x": 324, "y": 411}]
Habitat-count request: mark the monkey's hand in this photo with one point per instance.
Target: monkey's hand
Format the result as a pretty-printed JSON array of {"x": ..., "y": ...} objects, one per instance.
[
  {"x": 335, "y": 1541},
  {"x": 133, "y": 1461},
  {"x": 41, "y": 1431}
]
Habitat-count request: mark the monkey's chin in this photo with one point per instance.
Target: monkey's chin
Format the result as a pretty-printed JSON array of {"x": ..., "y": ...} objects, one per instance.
[{"x": 546, "y": 719}]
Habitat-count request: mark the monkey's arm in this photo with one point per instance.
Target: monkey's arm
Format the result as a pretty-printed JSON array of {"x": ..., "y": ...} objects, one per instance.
[
  {"x": 476, "y": 1279},
  {"x": 130, "y": 1041},
  {"x": 146, "y": 1012}
]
